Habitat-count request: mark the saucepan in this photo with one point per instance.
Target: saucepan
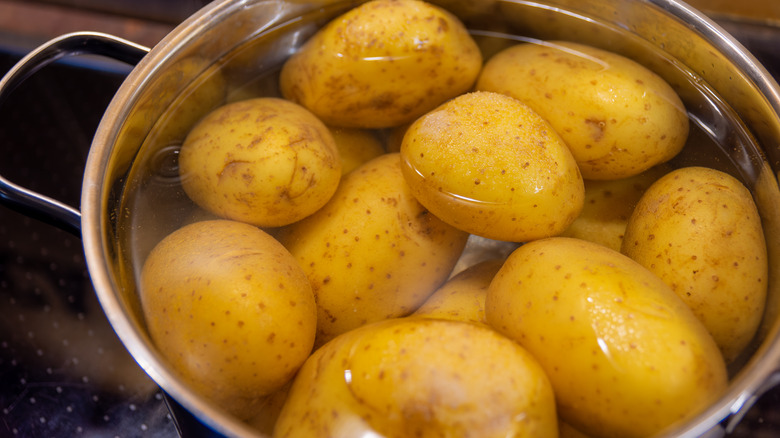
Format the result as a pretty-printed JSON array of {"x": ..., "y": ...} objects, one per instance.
[{"x": 230, "y": 50}]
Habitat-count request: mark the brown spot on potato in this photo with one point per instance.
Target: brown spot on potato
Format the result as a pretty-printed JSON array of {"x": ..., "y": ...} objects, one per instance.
[{"x": 597, "y": 128}]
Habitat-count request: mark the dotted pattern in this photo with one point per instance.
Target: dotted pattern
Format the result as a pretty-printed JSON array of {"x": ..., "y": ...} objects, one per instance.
[{"x": 63, "y": 371}]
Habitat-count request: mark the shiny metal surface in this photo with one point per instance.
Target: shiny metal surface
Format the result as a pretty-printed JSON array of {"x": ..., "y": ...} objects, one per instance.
[
  {"x": 686, "y": 38},
  {"x": 63, "y": 371},
  {"x": 68, "y": 45}
]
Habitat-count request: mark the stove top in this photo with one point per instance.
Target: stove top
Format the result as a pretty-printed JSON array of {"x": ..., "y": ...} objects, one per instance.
[{"x": 63, "y": 371}]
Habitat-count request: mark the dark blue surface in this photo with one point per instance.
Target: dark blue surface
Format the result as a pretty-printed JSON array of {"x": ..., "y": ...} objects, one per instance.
[{"x": 63, "y": 371}]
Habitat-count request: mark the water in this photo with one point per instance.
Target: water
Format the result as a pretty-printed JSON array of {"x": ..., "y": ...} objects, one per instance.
[
  {"x": 157, "y": 204},
  {"x": 154, "y": 203}
]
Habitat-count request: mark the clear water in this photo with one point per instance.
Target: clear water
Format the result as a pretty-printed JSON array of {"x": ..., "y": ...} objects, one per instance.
[{"x": 155, "y": 204}]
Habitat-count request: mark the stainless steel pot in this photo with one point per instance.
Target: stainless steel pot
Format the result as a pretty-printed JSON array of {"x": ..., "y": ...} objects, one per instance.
[{"x": 230, "y": 43}]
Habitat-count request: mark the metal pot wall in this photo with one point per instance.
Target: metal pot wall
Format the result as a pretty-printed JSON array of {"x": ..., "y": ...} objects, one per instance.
[{"x": 229, "y": 44}]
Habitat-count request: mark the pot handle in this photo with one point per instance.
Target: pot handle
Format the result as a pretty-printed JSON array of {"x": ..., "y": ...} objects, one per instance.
[{"x": 26, "y": 201}]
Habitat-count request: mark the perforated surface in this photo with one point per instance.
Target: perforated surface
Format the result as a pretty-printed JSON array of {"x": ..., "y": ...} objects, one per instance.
[{"x": 63, "y": 371}]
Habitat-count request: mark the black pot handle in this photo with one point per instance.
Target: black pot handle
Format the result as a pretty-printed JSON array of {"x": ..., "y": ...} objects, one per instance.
[
  {"x": 54, "y": 212},
  {"x": 26, "y": 201}
]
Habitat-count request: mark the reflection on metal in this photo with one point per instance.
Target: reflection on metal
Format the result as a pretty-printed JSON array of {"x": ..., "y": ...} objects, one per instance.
[{"x": 75, "y": 44}]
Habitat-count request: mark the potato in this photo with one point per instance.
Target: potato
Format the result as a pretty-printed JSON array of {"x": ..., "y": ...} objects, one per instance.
[
  {"x": 479, "y": 249},
  {"x": 373, "y": 252},
  {"x": 230, "y": 310},
  {"x": 263, "y": 161},
  {"x": 167, "y": 110},
  {"x": 419, "y": 378},
  {"x": 462, "y": 298},
  {"x": 487, "y": 164},
  {"x": 395, "y": 136},
  {"x": 182, "y": 100},
  {"x": 617, "y": 117},
  {"x": 382, "y": 64},
  {"x": 267, "y": 413},
  {"x": 608, "y": 205},
  {"x": 626, "y": 357},
  {"x": 700, "y": 231},
  {"x": 565, "y": 430},
  {"x": 356, "y": 146}
]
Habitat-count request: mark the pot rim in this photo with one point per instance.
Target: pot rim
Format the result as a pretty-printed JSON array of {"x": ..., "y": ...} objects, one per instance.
[
  {"x": 94, "y": 206},
  {"x": 742, "y": 391}
]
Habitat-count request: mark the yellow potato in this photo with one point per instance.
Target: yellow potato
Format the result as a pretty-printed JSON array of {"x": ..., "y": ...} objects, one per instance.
[
  {"x": 608, "y": 205},
  {"x": 626, "y": 357},
  {"x": 479, "y": 249},
  {"x": 356, "y": 146},
  {"x": 487, "y": 164},
  {"x": 373, "y": 252},
  {"x": 395, "y": 136},
  {"x": 565, "y": 430},
  {"x": 420, "y": 378},
  {"x": 166, "y": 111},
  {"x": 263, "y": 161},
  {"x": 382, "y": 64},
  {"x": 462, "y": 298},
  {"x": 267, "y": 413},
  {"x": 230, "y": 309},
  {"x": 182, "y": 102},
  {"x": 617, "y": 117},
  {"x": 699, "y": 230}
]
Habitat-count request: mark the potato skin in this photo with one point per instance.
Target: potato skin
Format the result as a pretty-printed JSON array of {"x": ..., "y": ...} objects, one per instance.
[
  {"x": 609, "y": 204},
  {"x": 489, "y": 165},
  {"x": 699, "y": 230},
  {"x": 625, "y": 355},
  {"x": 230, "y": 309},
  {"x": 382, "y": 64},
  {"x": 565, "y": 430},
  {"x": 263, "y": 161},
  {"x": 356, "y": 146},
  {"x": 416, "y": 377},
  {"x": 462, "y": 297},
  {"x": 185, "y": 103},
  {"x": 617, "y": 117},
  {"x": 373, "y": 252}
]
